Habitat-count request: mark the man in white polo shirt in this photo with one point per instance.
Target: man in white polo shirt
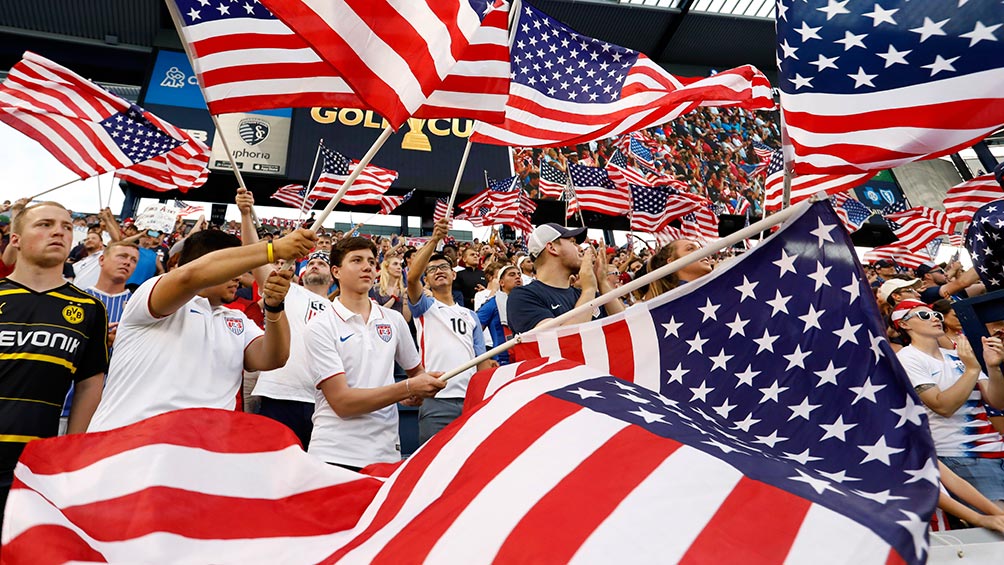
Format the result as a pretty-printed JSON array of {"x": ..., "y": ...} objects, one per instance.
[
  {"x": 449, "y": 334},
  {"x": 287, "y": 393},
  {"x": 352, "y": 348},
  {"x": 178, "y": 347}
]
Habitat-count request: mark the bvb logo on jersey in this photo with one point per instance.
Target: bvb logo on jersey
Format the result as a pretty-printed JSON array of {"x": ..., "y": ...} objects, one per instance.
[{"x": 73, "y": 314}]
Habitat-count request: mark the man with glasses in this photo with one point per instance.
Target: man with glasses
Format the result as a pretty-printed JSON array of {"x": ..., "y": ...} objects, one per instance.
[
  {"x": 448, "y": 334},
  {"x": 954, "y": 390},
  {"x": 935, "y": 285},
  {"x": 897, "y": 290}
]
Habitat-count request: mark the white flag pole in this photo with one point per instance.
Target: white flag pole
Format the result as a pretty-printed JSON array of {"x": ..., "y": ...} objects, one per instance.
[
  {"x": 649, "y": 278},
  {"x": 352, "y": 178},
  {"x": 456, "y": 182},
  {"x": 101, "y": 197},
  {"x": 67, "y": 183},
  {"x": 308, "y": 188}
]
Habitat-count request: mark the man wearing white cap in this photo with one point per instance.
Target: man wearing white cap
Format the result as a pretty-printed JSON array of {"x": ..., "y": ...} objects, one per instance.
[
  {"x": 894, "y": 291},
  {"x": 557, "y": 256},
  {"x": 954, "y": 390}
]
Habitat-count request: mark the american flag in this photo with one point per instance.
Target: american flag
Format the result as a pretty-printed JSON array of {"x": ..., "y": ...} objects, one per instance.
[
  {"x": 567, "y": 88},
  {"x": 702, "y": 224},
  {"x": 594, "y": 191},
  {"x": 964, "y": 199},
  {"x": 780, "y": 358},
  {"x": 399, "y": 57},
  {"x": 389, "y": 203},
  {"x": 804, "y": 186},
  {"x": 638, "y": 150},
  {"x": 185, "y": 208},
  {"x": 293, "y": 195},
  {"x": 552, "y": 181},
  {"x": 851, "y": 212},
  {"x": 985, "y": 240},
  {"x": 667, "y": 235},
  {"x": 738, "y": 206},
  {"x": 762, "y": 150},
  {"x": 653, "y": 208},
  {"x": 866, "y": 86},
  {"x": 91, "y": 131},
  {"x": 368, "y": 187},
  {"x": 918, "y": 226},
  {"x": 442, "y": 207},
  {"x": 899, "y": 254}
]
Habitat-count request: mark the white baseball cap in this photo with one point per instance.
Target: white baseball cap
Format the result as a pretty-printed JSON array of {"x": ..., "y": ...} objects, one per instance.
[{"x": 546, "y": 233}]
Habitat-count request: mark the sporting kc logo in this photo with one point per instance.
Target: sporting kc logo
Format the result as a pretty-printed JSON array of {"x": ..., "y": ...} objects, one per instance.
[
  {"x": 384, "y": 331},
  {"x": 253, "y": 130},
  {"x": 235, "y": 325}
]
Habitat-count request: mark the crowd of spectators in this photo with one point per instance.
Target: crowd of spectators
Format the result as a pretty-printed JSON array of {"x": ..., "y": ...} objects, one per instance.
[{"x": 711, "y": 149}]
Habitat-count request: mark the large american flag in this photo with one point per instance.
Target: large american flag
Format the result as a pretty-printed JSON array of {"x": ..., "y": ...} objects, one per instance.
[
  {"x": 91, "y": 131},
  {"x": 552, "y": 181},
  {"x": 965, "y": 198},
  {"x": 594, "y": 191},
  {"x": 568, "y": 88},
  {"x": 293, "y": 195},
  {"x": 409, "y": 57},
  {"x": 985, "y": 240},
  {"x": 368, "y": 187},
  {"x": 780, "y": 358},
  {"x": 389, "y": 203},
  {"x": 918, "y": 226},
  {"x": 803, "y": 186},
  {"x": 868, "y": 86}
]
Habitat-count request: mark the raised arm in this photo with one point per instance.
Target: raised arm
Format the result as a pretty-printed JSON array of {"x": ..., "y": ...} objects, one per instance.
[
  {"x": 421, "y": 260},
  {"x": 249, "y": 232}
]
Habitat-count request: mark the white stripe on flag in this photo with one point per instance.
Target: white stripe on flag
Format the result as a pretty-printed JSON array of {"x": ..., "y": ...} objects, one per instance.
[
  {"x": 844, "y": 540},
  {"x": 644, "y": 340}
]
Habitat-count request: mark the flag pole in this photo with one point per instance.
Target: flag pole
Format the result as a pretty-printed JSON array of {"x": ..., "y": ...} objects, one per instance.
[
  {"x": 233, "y": 165},
  {"x": 456, "y": 182},
  {"x": 306, "y": 191},
  {"x": 638, "y": 283},
  {"x": 763, "y": 208},
  {"x": 101, "y": 198},
  {"x": 67, "y": 183},
  {"x": 351, "y": 179}
]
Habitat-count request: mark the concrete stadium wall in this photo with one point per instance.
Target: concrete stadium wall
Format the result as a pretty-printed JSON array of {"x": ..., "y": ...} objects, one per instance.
[{"x": 925, "y": 182}]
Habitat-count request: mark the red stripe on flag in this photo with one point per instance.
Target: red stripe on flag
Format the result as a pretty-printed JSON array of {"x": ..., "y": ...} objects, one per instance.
[
  {"x": 570, "y": 347},
  {"x": 603, "y": 479},
  {"x": 734, "y": 530},
  {"x": 49, "y": 544},
  {"x": 492, "y": 456},
  {"x": 620, "y": 348}
]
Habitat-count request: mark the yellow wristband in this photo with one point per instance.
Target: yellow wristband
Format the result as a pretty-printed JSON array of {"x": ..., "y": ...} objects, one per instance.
[{"x": 271, "y": 255}]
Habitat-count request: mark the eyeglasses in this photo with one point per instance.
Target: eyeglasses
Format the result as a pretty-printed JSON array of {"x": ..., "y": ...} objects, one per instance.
[
  {"x": 925, "y": 315},
  {"x": 902, "y": 290},
  {"x": 433, "y": 268}
]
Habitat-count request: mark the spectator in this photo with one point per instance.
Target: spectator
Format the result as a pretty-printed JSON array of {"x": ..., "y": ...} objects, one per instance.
[
  {"x": 149, "y": 264},
  {"x": 287, "y": 393},
  {"x": 154, "y": 371},
  {"x": 470, "y": 278},
  {"x": 526, "y": 270},
  {"x": 449, "y": 334},
  {"x": 86, "y": 269},
  {"x": 556, "y": 257},
  {"x": 352, "y": 347},
  {"x": 953, "y": 389},
  {"x": 390, "y": 290},
  {"x": 494, "y": 313},
  {"x": 38, "y": 366}
]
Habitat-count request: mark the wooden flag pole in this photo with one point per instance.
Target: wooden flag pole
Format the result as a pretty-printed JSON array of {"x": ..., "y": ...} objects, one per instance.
[
  {"x": 233, "y": 165},
  {"x": 456, "y": 182},
  {"x": 308, "y": 188},
  {"x": 351, "y": 179},
  {"x": 67, "y": 183},
  {"x": 649, "y": 278}
]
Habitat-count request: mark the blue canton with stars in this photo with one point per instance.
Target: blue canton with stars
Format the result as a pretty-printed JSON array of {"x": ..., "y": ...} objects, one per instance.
[
  {"x": 640, "y": 152},
  {"x": 503, "y": 185},
  {"x": 857, "y": 213},
  {"x": 779, "y": 365},
  {"x": 584, "y": 177},
  {"x": 334, "y": 163},
  {"x": 985, "y": 240},
  {"x": 554, "y": 60},
  {"x": 860, "y": 46},
  {"x": 200, "y": 11},
  {"x": 136, "y": 136}
]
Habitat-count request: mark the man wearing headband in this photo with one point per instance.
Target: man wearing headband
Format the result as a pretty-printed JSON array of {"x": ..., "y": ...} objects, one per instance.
[
  {"x": 953, "y": 389},
  {"x": 287, "y": 393}
]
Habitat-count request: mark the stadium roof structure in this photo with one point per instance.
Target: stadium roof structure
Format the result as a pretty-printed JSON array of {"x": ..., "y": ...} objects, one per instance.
[{"x": 113, "y": 40}]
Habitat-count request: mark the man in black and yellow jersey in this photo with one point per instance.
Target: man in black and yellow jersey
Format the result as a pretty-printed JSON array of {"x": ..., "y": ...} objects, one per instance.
[{"x": 51, "y": 334}]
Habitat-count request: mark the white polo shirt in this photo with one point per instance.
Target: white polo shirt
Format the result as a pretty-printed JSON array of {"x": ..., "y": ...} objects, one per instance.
[
  {"x": 293, "y": 381},
  {"x": 448, "y": 336},
  {"x": 340, "y": 341},
  {"x": 192, "y": 358}
]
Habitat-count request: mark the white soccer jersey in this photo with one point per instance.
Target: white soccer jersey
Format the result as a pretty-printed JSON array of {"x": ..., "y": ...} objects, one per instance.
[
  {"x": 193, "y": 358},
  {"x": 340, "y": 341},
  {"x": 293, "y": 381},
  {"x": 448, "y": 336}
]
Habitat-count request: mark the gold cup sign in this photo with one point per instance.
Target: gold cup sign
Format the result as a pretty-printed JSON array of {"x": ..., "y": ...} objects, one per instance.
[{"x": 415, "y": 139}]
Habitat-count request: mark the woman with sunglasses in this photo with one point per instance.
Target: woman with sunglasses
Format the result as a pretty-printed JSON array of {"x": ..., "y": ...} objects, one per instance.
[{"x": 953, "y": 389}]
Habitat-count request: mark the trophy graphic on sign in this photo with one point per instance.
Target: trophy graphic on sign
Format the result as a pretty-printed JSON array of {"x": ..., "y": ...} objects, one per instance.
[{"x": 415, "y": 140}]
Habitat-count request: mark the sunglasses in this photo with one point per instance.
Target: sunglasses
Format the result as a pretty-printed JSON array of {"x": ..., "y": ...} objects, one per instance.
[{"x": 925, "y": 315}]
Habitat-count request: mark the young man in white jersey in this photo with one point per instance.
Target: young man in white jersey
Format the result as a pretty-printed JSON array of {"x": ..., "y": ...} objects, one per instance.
[
  {"x": 179, "y": 347},
  {"x": 287, "y": 393},
  {"x": 352, "y": 347},
  {"x": 954, "y": 391},
  {"x": 449, "y": 334}
]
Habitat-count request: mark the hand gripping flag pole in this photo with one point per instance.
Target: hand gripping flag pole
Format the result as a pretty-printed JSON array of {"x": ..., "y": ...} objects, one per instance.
[{"x": 655, "y": 275}]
